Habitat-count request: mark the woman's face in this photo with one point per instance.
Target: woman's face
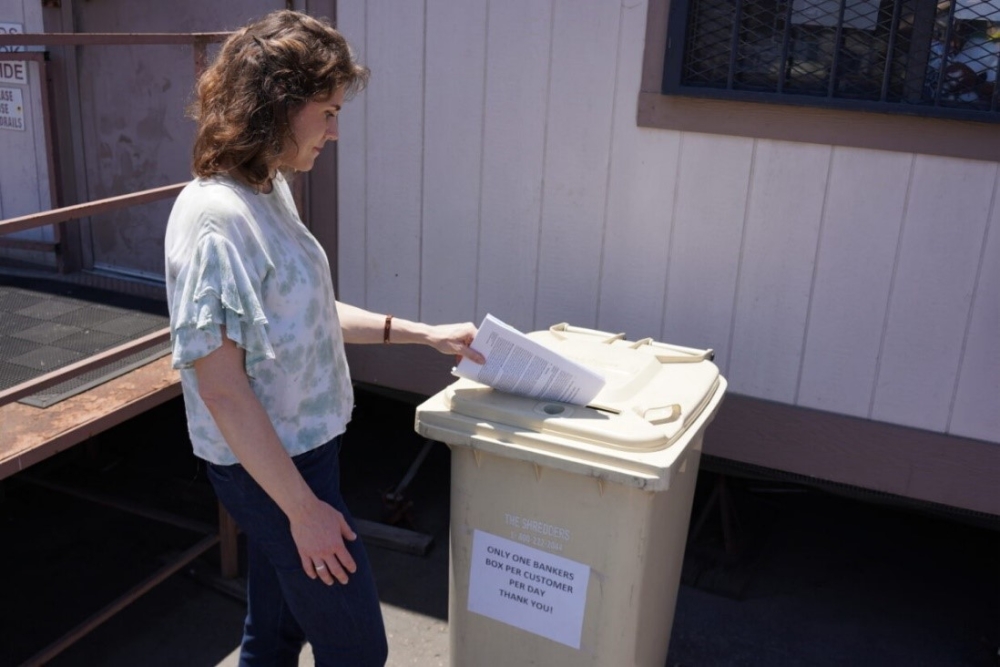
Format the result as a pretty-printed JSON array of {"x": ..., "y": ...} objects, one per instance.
[{"x": 312, "y": 125}]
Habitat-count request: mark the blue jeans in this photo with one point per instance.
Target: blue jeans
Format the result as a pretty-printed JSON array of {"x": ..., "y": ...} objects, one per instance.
[{"x": 285, "y": 608}]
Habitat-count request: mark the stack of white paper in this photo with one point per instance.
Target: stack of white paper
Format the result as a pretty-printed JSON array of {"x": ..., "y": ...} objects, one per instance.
[{"x": 520, "y": 365}]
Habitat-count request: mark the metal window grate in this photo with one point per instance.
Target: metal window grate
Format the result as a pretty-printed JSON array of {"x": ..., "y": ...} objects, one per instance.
[{"x": 884, "y": 55}]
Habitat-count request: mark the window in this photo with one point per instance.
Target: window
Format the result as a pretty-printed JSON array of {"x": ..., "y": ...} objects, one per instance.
[
  {"x": 910, "y": 56},
  {"x": 798, "y": 116}
]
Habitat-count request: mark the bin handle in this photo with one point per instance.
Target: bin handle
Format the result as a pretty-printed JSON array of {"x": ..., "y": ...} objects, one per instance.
[
  {"x": 688, "y": 355},
  {"x": 558, "y": 331},
  {"x": 663, "y": 414}
]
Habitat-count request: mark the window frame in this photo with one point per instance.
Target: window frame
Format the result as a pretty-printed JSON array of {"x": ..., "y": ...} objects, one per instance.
[{"x": 784, "y": 121}]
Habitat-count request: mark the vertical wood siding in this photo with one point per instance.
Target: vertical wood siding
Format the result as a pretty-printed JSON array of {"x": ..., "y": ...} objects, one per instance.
[
  {"x": 519, "y": 39},
  {"x": 939, "y": 254},
  {"x": 713, "y": 182},
  {"x": 494, "y": 165},
  {"x": 975, "y": 412},
  {"x": 352, "y": 161},
  {"x": 865, "y": 200},
  {"x": 577, "y": 147},
  {"x": 452, "y": 152},
  {"x": 640, "y": 203},
  {"x": 394, "y": 154},
  {"x": 777, "y": 264}
]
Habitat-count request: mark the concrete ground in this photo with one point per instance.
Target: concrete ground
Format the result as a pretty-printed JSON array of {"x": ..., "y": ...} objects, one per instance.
[{"x": 809, "y": 579}]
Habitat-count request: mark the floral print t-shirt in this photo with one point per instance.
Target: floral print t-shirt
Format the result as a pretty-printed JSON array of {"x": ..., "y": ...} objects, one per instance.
[{"x": 244, "y": 261}]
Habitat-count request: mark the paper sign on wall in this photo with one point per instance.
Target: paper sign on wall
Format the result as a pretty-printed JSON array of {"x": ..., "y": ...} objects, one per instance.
[
  {"x": 12, "y": 71},
  {"x": 11, "y": 109},
  {"x": 528, "y": 588}
]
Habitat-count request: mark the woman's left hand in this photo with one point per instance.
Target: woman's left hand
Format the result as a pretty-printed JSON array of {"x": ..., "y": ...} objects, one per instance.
[{"x": 455, "y": 339}]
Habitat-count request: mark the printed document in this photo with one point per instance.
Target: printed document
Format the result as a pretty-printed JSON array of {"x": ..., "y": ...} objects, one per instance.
[{"x": 519, "y": 365}]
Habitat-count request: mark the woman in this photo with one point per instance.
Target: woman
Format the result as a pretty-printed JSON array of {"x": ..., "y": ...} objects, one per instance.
[{"x": 259, "y": 339}]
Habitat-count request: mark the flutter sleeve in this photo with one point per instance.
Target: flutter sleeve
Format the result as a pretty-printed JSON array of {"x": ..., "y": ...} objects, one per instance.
[{"x": 214, "y": 290}]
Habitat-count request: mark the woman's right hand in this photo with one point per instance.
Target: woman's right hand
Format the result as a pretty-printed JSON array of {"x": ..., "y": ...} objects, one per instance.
[
  {"x": 318, "y": 529},
  {"x": 319, "y": 535}
]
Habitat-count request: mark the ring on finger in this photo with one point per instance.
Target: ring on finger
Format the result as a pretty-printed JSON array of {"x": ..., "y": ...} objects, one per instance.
[{"x": 320, "y": 567}]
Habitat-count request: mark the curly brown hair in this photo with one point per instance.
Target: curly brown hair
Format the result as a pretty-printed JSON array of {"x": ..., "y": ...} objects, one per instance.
[{"x": 262, "y": 75}]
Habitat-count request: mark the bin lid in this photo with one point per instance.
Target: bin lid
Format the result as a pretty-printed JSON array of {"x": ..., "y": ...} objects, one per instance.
[{"x": 653, "y": 393}]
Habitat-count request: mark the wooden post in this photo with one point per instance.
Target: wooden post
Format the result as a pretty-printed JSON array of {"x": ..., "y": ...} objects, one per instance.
[
  {"x": 228, "y": 555},
  {"x": 200, "y": 56}
]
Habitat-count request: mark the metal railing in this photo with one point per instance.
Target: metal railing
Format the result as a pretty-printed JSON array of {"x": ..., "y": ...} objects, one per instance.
[{"x": 199, "y": 42}]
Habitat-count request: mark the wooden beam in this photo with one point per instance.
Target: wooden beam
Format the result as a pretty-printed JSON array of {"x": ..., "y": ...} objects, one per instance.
[
  {"x": 922, "y": 465},
  {"x": 391, "y": 537},
  {"x": 29, "y": 434},
  {"x": 907, "y": 462}
]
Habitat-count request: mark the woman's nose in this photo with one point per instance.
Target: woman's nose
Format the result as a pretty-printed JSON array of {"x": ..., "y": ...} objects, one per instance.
[{"x": 331, "y": 129}]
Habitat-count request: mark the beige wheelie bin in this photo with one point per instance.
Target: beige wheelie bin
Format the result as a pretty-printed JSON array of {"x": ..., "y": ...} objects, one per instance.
[{"x": 568, "y": 523}]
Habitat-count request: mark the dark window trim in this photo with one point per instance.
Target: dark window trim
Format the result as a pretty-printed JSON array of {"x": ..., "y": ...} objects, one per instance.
[{"x": 785, "y": 122}]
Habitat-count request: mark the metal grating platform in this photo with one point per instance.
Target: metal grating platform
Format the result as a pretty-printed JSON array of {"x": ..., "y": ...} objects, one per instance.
[{"x": 45, "y": 326}]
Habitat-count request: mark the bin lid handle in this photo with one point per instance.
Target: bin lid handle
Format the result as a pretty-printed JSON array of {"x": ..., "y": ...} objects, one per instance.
[
  {"x": 663, "y": 414},
  {"x": 683, "y": 355},
  {"x": 558, "y": 330}
]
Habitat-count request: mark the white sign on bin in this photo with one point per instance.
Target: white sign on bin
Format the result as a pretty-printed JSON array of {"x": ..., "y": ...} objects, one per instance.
[
  {"x": 528, "y": 588},
  {"x": 11, "y": 109}
]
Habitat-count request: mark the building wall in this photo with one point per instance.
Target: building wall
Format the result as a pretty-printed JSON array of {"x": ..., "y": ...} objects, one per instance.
[
  {"x": 135, "y": 134},
  {"x": 24, "y": 176},
  {"x": 121, "y": 125},
  {"x": 494, "y": 165}
]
